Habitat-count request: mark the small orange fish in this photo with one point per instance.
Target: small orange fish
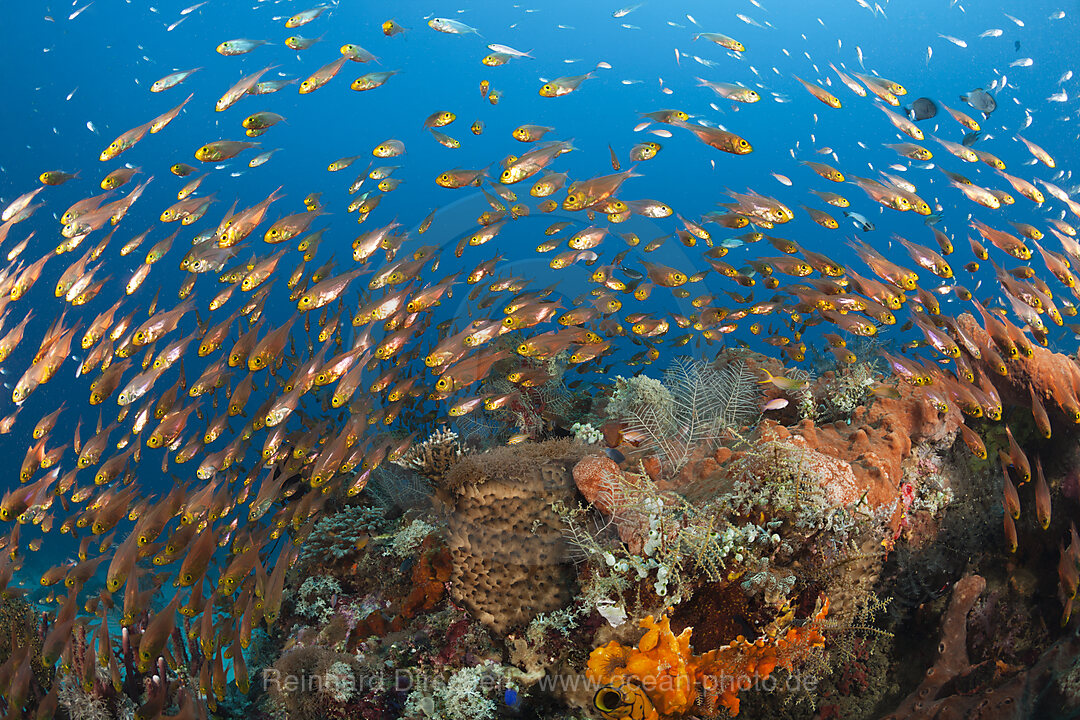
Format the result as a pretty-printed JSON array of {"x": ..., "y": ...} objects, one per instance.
[
  {"x": 1042, "y": 496},
  {"x": 820, "y": 93}
]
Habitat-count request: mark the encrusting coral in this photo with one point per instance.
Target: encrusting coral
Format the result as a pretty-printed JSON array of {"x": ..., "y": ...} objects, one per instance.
[{"x": 661, "y": 676}]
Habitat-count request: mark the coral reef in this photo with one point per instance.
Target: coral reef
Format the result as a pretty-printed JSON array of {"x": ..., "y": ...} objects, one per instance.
[
  {"x": 471, "y": 693},
  {"x": 339, "y": 536},
  {"x": 313, "y": 682},
  {"x": 470, "y": 581}
]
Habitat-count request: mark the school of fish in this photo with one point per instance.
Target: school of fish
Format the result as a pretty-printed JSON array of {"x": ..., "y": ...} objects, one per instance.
[{"x": 260, "y": 414}]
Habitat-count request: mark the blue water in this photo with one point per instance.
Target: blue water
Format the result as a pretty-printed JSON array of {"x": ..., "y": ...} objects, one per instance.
[{"x": 71, "y": 86}]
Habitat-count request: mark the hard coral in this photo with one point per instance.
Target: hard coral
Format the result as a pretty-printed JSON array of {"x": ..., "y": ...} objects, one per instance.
[
  {"x": 433, "y": 457},
  {"x": 664, "y": 665}
]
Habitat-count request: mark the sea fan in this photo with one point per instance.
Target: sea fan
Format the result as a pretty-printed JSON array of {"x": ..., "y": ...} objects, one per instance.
[{"x": 695, "y": 406}]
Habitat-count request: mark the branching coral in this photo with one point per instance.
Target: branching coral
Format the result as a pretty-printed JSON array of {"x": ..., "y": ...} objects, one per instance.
[
  {"x": 405, "y": 542},
  {"x": 433, "y": 457},
  {"x": 339, "y": 682},
  {"x": 468, "y": 694},
  {"x": 315, "y": 598},
  {"x": 80, "y": 704},
  {"x": 341, "y": 535},
  {"x": 665, "y": 669}
]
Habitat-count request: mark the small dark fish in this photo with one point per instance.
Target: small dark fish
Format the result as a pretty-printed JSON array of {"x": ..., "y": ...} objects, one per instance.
[
  {"x": 933, "y": 219},
  {"x": 614, "y": 454},
  {"x": 971, "y": 138},
  {"x": 1017, "y": 45},
  {"x": 860, "y": 221},
  {"x": 922, "y": 109},
  {"x": 980, "y": 100}
]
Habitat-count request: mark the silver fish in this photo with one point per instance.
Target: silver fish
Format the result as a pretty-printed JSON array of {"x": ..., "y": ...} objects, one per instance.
[
  {"x": 860, "y": 221},
  {"x": 452, "y": 27}
]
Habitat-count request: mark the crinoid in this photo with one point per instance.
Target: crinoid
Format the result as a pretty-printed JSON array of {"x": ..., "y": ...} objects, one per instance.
[{"x": 694, "y": 405}]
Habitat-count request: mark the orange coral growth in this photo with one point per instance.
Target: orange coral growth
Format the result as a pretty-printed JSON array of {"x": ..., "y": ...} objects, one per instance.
[
  {"x": 601, "y": 482},
  {"x": 662, "y": 664},
  {"x": 666, "y": 669},
  {"x": 429, "y": 576},
  {"x": 604, "y": 485}
]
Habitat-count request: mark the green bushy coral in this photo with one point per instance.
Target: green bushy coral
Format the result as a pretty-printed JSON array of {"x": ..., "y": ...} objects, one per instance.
[
  {"x": 471, "y": 693},
  {"x": 406, "y": 541},
  {"x": 313, "y": 599},
  {"x": 340, "y": 536}
]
